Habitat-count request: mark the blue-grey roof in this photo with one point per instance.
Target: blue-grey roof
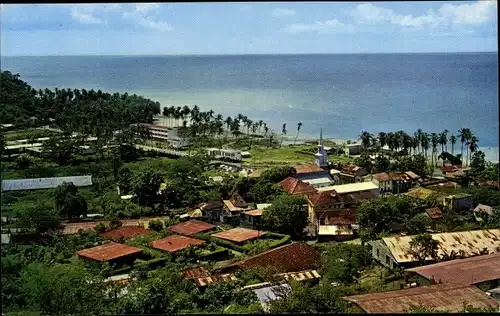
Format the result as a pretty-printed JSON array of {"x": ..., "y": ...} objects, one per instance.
[
  {"x": 267, "y": 294},
  {"x": 44, "y": 183}
]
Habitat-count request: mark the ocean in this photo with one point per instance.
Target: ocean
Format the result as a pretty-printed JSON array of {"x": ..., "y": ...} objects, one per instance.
[{"x": 344, "y": 94}]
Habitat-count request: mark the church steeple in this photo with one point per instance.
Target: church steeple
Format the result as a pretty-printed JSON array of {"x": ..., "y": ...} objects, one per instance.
[{"x": 321, "y": 157}]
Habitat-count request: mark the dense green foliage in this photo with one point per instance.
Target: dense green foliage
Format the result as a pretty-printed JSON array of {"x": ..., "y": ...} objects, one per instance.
[{"x": 286, "y": 215}]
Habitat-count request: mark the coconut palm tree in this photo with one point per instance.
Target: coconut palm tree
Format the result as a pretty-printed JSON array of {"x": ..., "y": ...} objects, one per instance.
[
  {"x": 434, "y": 142},
  {"x": 419, "y": 135},
  {"x": 366, "y": 139},
  {"x": 299, "y": 125},
  {"x": 462, "y": 133},
  {"x": 266, "y": 130},
  {"x": 260, "y": 126},
  {"x": 228, "y": 121},
  {"x": 453, "y": 140},
  {"x": 472, "y": 146},
  {"x": 283, "y": 133},
  {"x": 425, "y": 142},
  {"x": 382, "y": 139},
  {"x": 443, "y": 140}
]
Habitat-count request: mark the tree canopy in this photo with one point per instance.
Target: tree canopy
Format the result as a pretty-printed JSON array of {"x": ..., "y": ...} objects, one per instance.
[
  {"x": 286, "y": 215},
  {"x": 69, "y": 202}
]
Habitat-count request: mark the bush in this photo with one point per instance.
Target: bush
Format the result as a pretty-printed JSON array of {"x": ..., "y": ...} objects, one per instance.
[
  {"x": 114, "y": 224},
  {"x": 100, "y": 227},
  {"x": 156, "y": 225}
]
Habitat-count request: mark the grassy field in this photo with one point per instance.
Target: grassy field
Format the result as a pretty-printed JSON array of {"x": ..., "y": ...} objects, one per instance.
[
  {"x": 27, "y": 133},
  {"x": 287, "y": 155}
]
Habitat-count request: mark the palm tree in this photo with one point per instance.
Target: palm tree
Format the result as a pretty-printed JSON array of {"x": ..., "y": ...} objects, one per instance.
[
  {"x": 228, "y": 121},
  {"x": 472, "y": 146},
  {"x": 382, "y": 138},
  {"x": 425, "y": 142},
  {"x": 443, "y": 140},
  {"x": 434, "y": 142},
  {"x": 266, "y": 129},
  {"x": 283, "y": 133},
  {"x": 419, "y": 135},
  {"x": 453, "y": 140},
  {"x": 365, "y": 138},
  {"x": 299, "y": 125},
  {"x": 462, "y": 133},
  {"x": 260, "y": 125}
]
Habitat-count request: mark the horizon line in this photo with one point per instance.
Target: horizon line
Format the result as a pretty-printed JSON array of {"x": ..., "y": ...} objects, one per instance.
[{"x": 246, "y": 54}]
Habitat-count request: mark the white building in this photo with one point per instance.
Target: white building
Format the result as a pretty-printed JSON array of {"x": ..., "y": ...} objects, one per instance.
[
  {"x": 218, "y": 153},
  {"x": 353, "y": 187}
]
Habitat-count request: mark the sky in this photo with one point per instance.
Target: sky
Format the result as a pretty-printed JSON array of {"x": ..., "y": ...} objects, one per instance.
[{"x": 248, "y": 28}]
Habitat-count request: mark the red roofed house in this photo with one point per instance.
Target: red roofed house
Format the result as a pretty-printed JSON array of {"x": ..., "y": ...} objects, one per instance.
[
  {"x": 125, "y": 232},
  {"x": 294, "y": 257},
  {"x": 313, "y": 175},
  {"x": 353, "y": 174},
  {"x": 295, "y": 186},
  {"x": 336, "y": 224},
  {"x": 322, "y": 201},
  {"x": 395, "y": 182},
  {"x": 191, "y": 228},
  {"x": 114, "y": 253},
  {"x": 252, "y": 218},
  {"x": 175, "y": 243}
]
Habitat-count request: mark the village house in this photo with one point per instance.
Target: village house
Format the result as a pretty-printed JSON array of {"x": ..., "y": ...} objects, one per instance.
[
  {"x": 224, "y": 154},
  {"x": 392, "y": 252},
  {"x": 211, "y": 210},
  {"x": 335, "y": 224},
  {"x": 233, "y": 208},
  {"x": 252, "y": 218},
  {"x": 202, "y": 277},
  {"x": 353, "y": 149},
  {"x": 295, "y": 186},
  {"x": 368, "y": 189},
  {"x": 470, "y": 271},
  {"x": 294, "y": 257},
  {"x": 114, "y": 253},
  {"x": 458, "y": 202},
  {"x": 395, "y": 182},
  {"x": 239, "y": 235},
  {"x": 191, "y": 228},
  {"x": 354, "y": 174},
  {"x": 442, "y": 297},
  {"x": 174, "y": 243},
  {"x": 313, "y": 175}
]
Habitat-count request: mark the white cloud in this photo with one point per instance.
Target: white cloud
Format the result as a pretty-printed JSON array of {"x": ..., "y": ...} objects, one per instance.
[
  {"x": 368, "y": 13},
  {"x": 323, "y": 27},
  {"x": 245, "y": 8},
  {"x": 476, "y": 13},
  {"x": 140, "y": 16},
  {"x": 85, "y": 18},
  {"x": 280, "y": 12},
  {"x": 465, "y": 14}
]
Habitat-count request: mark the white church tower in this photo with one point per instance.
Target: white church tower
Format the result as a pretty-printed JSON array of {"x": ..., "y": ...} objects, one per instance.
[{"x": 321, "y": 157}]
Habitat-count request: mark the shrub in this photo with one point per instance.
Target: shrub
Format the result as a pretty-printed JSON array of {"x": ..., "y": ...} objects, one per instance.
[
  {"x": 114, "y": 224},
  {"x": 155, "y": 225},
  {"x": 100, "y": 227}
]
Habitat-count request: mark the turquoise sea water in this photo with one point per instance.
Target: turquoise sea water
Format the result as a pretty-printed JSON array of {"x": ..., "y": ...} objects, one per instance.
[{"x": 344, "y": 94}]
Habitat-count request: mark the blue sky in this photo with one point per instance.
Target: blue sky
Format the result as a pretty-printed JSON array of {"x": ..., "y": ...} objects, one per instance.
[{"x": 248, "y": 28}]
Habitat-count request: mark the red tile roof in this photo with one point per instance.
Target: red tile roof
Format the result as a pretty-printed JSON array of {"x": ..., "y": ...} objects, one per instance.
[
  {"x": 296, "y": 186},
  {"x": 382, "y": 176},
  {"x": 357, "y": 196},
  {"x": 323, "y": 198},
  {"x": 175, "y": 243},
  {"x": 191, "y": 228},
  {"x": 239, "y": 234},
  {"x": 353, "y": 169},
  {"x": 338, "y": 216},
  {"x": 125, "y": 232},
  {"x": 449, "y": 297},
  {"x": 254, "y": 213},
  {"x": 434, "y": 212},
  {"x": 108, "y": 251},
  {"x": 412, "y": 175},
  {"x": 195, "y": 273},
  {"x": 294, "y": 257},
  {"x": 73, "y": 228},
  {"x": 463, "y": 271},
  {"x": 308, "y": 168}
]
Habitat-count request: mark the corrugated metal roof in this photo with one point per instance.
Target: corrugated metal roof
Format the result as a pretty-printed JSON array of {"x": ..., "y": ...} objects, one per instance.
[
  {"x": 434, "y": 212},
  {"x": 175, "y": 243},
  {"x": 463, "y": 271},
  {"x": 239, "y": 234},
  {"x": 449, "y": 297},
  {"x": 300, "y": 276},
  {"x": 469, "y": 242},
  {"x": 44, "y": 183},
  {"x": 191, "y": 228},
  {"x": 308, "y": 168},
  {"x": 125, "y": 232},
  {"x": 271, "y": 293},
  {"x": 108, "y": 251},
  {"x": 220, "y": 278},
  {"x": 73, "y": 228},
  {"x": 296, "y": 186},
  {"x": 195, "y": 273},
  {"x": 481, "y": 208},
  {"x": 351, "y": 187},
  {"x": 256, "y": 212}
]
